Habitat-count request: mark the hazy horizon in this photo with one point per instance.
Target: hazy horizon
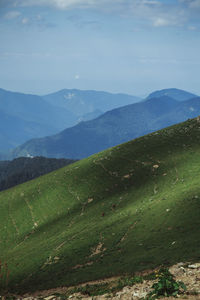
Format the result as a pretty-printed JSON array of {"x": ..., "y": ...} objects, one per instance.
[
  {"x": 133, "y": 47},
  {"x": 142, "y": 96}
]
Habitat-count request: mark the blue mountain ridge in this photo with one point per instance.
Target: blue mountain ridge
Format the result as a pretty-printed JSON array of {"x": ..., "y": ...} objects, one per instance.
[{"x": 112, "y": 128}]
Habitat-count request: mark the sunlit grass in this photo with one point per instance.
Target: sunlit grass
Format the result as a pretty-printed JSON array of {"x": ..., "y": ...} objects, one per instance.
[{"x": 126, "y": 209}]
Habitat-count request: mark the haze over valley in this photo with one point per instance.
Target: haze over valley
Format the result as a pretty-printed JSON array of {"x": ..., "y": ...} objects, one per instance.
[{"x": 115, "y": 126}]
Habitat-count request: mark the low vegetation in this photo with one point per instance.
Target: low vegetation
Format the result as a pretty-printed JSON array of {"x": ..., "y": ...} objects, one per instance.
[
  {"x": 105, "y": 288},
  {"x": 130, "y": 208},
  {"x": 4, "y": 277},
  {"x": 166, "y": 286}
]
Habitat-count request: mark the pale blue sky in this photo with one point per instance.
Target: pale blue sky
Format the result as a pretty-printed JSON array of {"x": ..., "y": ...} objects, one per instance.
[{"x": 130, "y": 46}]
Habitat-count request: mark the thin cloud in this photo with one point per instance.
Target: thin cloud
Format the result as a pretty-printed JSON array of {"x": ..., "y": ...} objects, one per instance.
[
  {"x": 192, "y": 28},
  {"x": 156, "y": 13},
  {"x": 191, "y": 3},
  {"x": 195, "y": 4},
  {"x": 61, "y": 4},
  {"x": 169, "y": 20},
  {"x": 160, "y": 22},
  {"x": 105, "y": 4},
  {"x": 12, "y": 15},
  {"x": 25, "y": 21}
]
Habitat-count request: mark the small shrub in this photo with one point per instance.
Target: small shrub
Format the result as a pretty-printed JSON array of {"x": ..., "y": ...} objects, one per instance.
[
  {"x": 127, "y": 281},
  {"x": 91, "y": 290},
  {"x": 166, "y": 285},
  {"x": 105, "y": 288},
  {"x": 150, "y": 276}
]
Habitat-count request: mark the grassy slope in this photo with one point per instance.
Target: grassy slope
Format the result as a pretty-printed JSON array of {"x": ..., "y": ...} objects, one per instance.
[{"x": 141, "y": 215}]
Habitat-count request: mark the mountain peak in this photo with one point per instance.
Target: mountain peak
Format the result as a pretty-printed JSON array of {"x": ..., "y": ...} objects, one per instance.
[{"x": 177, "y": 94}]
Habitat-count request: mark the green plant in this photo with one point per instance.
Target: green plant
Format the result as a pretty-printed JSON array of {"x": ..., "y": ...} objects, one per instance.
[
  {"x": 91, "y": 290},
  {"x": 4, "y": 276},
  {"x": 129, "y": 281},
  {"x": 166, "y": 285},
  {"x": 105, "y": 288},
  {"x": 150, "y": 276},
  {"x": 126, "y": 281}
]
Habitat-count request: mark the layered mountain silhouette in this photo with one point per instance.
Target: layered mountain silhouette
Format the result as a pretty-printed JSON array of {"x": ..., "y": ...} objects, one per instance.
[
  {"x": 15, "y": 130},
  {"x": 177, "y": 94},
  {"x": 23, "y": 116},
  {"x": 112, "y": 128},
  {"x": 87, "y": 104}
]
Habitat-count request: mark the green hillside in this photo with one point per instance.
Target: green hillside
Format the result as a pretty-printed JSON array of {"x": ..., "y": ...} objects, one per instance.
[{"x": 129, "y": 208}]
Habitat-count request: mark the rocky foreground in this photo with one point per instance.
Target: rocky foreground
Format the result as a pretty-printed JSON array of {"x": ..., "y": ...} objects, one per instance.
[{"x": 188, "y": 273}]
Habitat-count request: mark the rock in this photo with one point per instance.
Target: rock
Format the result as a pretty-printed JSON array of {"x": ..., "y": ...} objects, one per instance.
[
  {"x": 90, "y": 200},
  {"x": 187, "y": 272},
  {"x": 182, "y": 269},
  {"x": 127, "y": 176},
  {"x": 52, "y": 297},
  {"x": 194, "y": 266},
  {"x": 103, "y": 297},
  {"x": 155, "y": 166},
  {"x": 126, "y": 289},
  {"x": 76, "y": 296},
  {"x": 181, "y": 264}
]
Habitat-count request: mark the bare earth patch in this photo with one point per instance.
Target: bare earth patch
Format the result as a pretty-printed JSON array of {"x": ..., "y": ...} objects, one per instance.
[{"x": 98, "y": 249}]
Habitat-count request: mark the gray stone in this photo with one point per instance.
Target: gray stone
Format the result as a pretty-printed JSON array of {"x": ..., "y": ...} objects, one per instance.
[{"x": 194, "y": 266}]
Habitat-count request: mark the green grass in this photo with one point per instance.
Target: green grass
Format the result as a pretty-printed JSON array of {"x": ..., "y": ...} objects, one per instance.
[{"x": 129, "y": 208}]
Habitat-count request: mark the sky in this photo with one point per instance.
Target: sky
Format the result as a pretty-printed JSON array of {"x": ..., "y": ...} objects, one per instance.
[{"x": 127, "y": 46}]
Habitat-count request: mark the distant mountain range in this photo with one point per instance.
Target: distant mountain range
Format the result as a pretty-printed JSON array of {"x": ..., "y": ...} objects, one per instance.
[
  {"x": 179, "y": 95},
  {"x": 23, "y": 116},
  {"x": 15, "y": 130},
  {"x": 81, "y": 103},
  {"x": 27, "y": 116},
  {"x": 112, "y": 128}
]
